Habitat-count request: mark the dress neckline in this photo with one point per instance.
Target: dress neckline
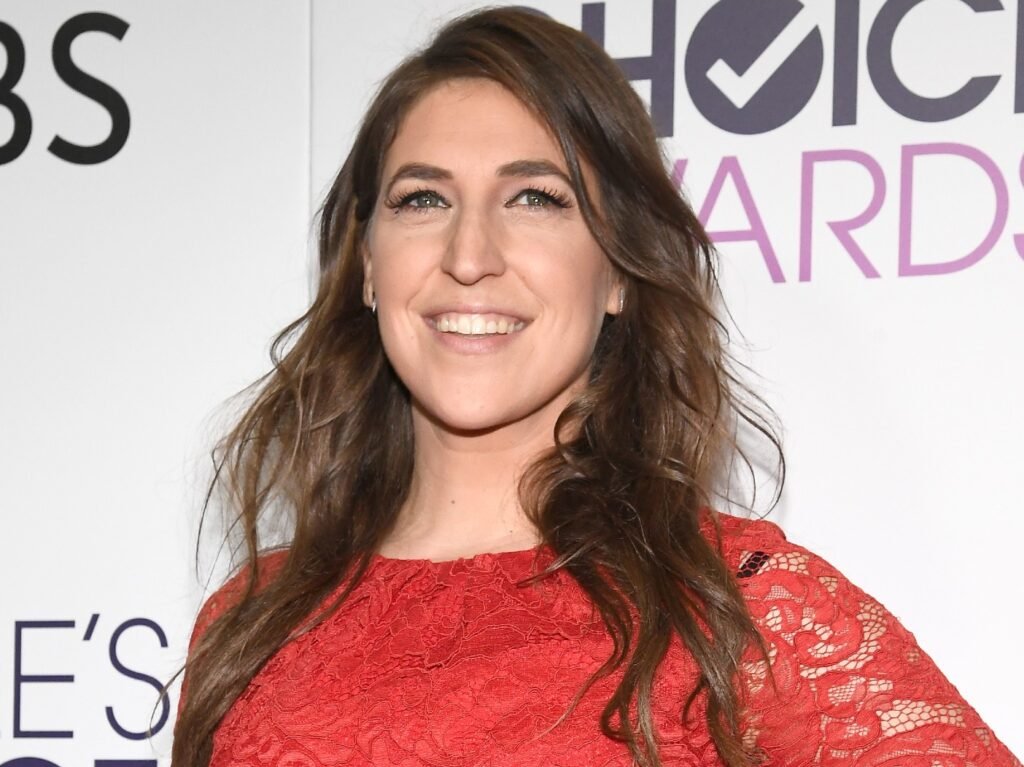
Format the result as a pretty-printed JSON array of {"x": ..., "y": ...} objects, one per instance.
[{"x": 484, "y": 560}]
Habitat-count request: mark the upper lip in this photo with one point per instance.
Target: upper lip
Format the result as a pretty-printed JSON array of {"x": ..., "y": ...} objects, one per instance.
[{"x": 442, "y": 309}]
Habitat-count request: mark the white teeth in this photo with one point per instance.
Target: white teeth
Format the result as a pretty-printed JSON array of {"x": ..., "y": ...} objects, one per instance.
[{"x": 477, "y": 325}]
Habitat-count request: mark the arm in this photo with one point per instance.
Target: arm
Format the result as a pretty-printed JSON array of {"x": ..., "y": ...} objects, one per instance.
[{"x": 852, "y": 685}]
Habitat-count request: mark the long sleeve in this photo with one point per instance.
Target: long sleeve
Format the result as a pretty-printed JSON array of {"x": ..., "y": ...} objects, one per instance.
[{"x": 852, "y": 686}]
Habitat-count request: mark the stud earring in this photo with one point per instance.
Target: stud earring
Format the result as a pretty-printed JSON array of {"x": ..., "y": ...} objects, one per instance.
[{"x": 373, "y": 304}]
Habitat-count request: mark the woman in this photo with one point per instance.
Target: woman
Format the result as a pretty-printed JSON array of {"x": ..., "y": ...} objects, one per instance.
[{"x": 513, "y": 368}]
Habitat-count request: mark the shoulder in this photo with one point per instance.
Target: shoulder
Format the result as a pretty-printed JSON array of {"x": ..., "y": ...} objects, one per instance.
[
  {"x": 804, "y": 606},
  {"x": 761, "y": 555},
  {"x": 798, "y": 597},
  {"x": 745, "y": 544},
  {"x": 233, "y": 590}
]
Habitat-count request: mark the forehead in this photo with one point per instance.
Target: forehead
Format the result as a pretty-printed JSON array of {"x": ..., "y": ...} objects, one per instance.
[{"x": 471, "y": 122}]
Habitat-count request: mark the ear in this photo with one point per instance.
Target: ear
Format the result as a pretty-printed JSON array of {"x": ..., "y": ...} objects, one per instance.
[
  {"x": 364, "y": 253},
  {"x": 616, "y": 295}
]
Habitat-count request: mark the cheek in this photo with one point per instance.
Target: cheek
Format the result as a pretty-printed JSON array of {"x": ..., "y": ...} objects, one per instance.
[
  {"x": 573, "y": 279},
  {"x": 400, "y": 265}
]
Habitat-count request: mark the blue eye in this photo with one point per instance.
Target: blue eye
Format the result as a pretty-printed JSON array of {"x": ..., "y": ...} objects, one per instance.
[
  {"x": 419, "y": 199},
  {"x": 426, "y": 200},
  {"x": 541, "y": 198}
]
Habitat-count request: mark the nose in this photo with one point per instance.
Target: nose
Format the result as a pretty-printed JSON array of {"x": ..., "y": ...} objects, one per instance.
[{"x": 473, "y": 250}]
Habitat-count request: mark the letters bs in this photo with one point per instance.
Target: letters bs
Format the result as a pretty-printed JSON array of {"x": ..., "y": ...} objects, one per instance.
[{"x": 76, "y": 79}]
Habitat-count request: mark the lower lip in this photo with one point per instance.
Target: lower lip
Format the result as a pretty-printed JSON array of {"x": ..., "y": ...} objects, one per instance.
[{"x": 482, "y": 344}]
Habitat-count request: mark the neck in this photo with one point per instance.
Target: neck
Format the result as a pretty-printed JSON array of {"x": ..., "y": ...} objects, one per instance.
[{"x": 464, "y": 497}]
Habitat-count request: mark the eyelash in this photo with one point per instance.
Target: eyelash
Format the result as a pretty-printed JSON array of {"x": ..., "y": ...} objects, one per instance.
[{"x": 554, "y": 197}]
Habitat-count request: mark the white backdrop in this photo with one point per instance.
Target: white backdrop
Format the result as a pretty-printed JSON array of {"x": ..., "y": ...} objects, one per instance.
[
  {"x": 135, "y": 295},
  {"x": 139, "y": 292}
]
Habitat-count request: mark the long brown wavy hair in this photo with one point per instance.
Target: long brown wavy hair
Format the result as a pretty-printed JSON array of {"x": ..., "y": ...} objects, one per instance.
[{"x": 638, "y": 456}]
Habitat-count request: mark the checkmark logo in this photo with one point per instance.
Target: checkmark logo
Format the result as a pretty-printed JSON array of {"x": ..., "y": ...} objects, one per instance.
[
  {"x": 741, "y": 87},
  {"x": 752, "y": 65}
]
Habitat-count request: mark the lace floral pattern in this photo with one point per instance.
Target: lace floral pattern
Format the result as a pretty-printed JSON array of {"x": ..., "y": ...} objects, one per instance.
[
  {"x": 853, "y": 687},
  {"x": 450, "y": 663}
]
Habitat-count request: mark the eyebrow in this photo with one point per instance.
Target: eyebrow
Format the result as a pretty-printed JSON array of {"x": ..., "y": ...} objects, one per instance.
[{"x": 514, "y": 169}]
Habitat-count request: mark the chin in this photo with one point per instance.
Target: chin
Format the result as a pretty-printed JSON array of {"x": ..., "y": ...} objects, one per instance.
[
  {"x": 464, "y": 420},
  {"x": 467, "y": 417}
]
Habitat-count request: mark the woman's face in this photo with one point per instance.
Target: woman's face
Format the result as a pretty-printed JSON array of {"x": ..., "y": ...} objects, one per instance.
[{"x": 490, "y": 288}]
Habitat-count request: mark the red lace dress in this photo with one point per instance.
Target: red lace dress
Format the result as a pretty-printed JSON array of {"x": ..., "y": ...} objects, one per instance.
[{"x": 449, "y": 663}]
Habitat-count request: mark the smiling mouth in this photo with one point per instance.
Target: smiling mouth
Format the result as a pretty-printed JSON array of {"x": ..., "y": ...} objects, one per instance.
[{"x": 476, "y": 324}]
